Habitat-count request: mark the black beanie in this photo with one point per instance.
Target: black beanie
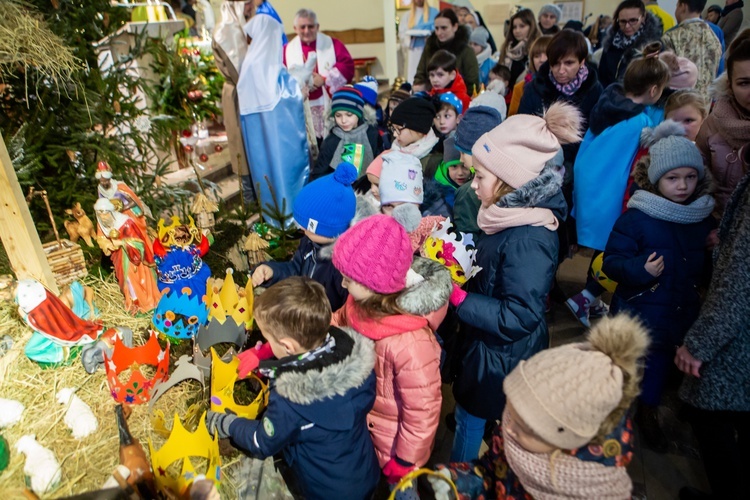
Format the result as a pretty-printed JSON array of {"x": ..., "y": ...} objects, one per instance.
[{"x": 414, "y": 113}]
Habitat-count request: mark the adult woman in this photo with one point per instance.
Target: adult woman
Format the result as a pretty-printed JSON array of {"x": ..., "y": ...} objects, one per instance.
[
  {"x": 632, "y": 29},
  {"x": 515, "y": 51},
  {"x": 537, "y": 57},
  {"x": 451, "y": 37},
  {"x": 413, "y": 30},
  {"x": 727, "y": 128},
  {"x": 549, "y": 16}
]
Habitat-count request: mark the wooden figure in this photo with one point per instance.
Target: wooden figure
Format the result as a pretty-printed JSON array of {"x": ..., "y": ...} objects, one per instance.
[{"x": 134, "y": 458}]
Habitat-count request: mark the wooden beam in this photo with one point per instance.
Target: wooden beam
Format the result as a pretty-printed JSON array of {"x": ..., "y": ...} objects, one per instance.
[{"x": 17, "y": 230}]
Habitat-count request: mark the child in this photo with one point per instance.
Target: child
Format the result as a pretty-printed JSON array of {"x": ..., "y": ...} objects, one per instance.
[
  {"x": 657, "y": 255},
  {"x": 537, "y": 57},
  {"x": 351, "y": 138},
  {"x": 368, "y": 87},
  {"x": 375, "y": 256},
  {"x": 479, "y": 41},
  {"x": 688, "y": 108},
  {"x": 514, "y": 53},
  {"x": 323, "y": 209},
  {"x": 502, "y": 318},
  {"x": 565, "y": 432},
  {"x": 502, "y": 74},
  {"x": 445, "y": 78},
  {"x": 451, "y": 174},
  {"x": 604, "y": 160},
  {"x": 448, "y": 115},
  {"x": 320, "y": 371}
]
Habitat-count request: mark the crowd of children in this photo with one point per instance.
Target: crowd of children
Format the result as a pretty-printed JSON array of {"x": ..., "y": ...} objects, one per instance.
[{"x": 625, "y": 158}]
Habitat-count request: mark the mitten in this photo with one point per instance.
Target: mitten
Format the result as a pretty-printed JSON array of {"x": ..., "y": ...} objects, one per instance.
[
  {"x": 218, "y": 423},
  {"x": 395, "y": 468},
  {"x": 250, "y": 358},
  {"x": 457, "y": 296}
]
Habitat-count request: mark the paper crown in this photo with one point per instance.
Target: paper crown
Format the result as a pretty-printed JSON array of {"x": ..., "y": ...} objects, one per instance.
[
  {"x": 179, "y": 315},
  {"x": 137, "y": 389},
  {"x": 182, "y": 445},
  {"x": 204, "y": 362},
  {"x": 183, "y": 370},
  {"x": 230, "y": 313},
  {"x": 223, "y": 378},
  {"x": 166, "y": 233},
  {"x": 454, "y": 250}
]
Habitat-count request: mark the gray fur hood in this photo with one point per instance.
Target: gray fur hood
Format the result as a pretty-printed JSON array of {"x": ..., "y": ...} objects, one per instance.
[
  {"x": 430, "y": 294},
  {"x": 305, "y": 388},
  {"x": 543, "y": 191}
]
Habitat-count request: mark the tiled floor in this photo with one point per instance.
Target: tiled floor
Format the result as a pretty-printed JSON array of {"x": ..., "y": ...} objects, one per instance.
[{"x": 655, "y": 476}]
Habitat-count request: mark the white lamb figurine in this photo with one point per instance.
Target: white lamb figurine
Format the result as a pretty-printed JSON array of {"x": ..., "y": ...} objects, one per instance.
[
  {"x": 79, "y": 418},
  {"x": 10, "y": 412},
  {"x": 42, "y": 468}
]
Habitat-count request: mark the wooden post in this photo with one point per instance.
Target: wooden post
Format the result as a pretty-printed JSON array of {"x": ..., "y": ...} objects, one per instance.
[{"x": 17, "y": 230}]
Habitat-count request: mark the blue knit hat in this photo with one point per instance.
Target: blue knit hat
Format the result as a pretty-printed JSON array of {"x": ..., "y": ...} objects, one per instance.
[
  {"x": 450, "y": 98},
  {"x": 348, "y": 99},
  {"x": 326, "y": 206},
  {"x": 476, "y": 122},
  {"x": 368, "y": 86}
]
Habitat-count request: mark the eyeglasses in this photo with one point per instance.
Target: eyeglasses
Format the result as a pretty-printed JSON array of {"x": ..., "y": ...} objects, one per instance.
[
  {"x": 628, "y": 22},
  {"x": 396, "y": 129}
]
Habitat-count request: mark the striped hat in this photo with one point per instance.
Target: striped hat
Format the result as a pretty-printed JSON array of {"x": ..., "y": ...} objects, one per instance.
[{"x": 348, "y": 99}]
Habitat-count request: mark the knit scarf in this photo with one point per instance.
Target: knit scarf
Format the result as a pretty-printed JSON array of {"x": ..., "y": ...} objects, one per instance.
[
  {"x": 732, "y": 122},
  {"x": 421, "y": 148},
  {"x": 661, "y": 208},
  {"x": 320, "y": 356},
  {"x": 494, "y": 219},
  {"x": 572, "y": 86},
  {"x": 514, "y": 53},
  {"x": 623, "y": 42},
  {"x": 356, "y": 136}
]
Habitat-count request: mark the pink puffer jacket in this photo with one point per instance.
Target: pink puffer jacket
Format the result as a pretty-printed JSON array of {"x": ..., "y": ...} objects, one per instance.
[{"x": 404, "y": 419}]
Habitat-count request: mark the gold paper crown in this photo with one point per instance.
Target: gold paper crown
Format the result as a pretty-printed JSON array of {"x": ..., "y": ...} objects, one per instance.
[
  {"x": 169, "y": 232},
  {"x": 223, "y": 378},
  {"x": 229, "y": 303},
  {"x": 182, "y": 445}
]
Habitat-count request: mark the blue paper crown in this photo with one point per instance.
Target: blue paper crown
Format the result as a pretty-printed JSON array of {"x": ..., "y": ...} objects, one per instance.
[{"x": 179, "y": 315}]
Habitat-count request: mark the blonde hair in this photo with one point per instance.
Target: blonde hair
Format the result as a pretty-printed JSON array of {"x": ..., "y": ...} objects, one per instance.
[
  {"x": 501, "y": 190},
  {"x": 682, "y": 98},
  {"x": 538, "y": 47},
  {"x": 425, "y": 13},
  {"x": 380, "y": 305}
]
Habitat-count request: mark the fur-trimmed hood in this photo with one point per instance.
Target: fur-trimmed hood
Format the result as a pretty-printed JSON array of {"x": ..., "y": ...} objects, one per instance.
[
  {"x": 543, "y": 191},
  {"x": 720, "y": 88},
  {"x": 640, "y": 176},
  {"x": 430, "y": 294},
  {"x": 316, "y": 386},
  {"x": 651, "y": 32},
  {"x": 454, "y": 46}
]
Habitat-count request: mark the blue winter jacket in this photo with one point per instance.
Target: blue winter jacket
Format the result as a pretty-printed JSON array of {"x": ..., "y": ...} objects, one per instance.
[
  {"x": 502, "y": 318},
  {"x": 314, "y": 261},
  {"x": 318, "y": 419}
]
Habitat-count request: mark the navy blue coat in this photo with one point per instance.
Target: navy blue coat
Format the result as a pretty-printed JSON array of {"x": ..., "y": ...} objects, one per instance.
[
  {"x": 308, "y": 261},
  {"x": 502, "y": 318},
  {"x": 670, "y": 303},
  {"x": 318, "y": 419}
]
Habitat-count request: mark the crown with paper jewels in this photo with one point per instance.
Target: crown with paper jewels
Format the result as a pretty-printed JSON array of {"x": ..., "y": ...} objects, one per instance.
[
  {"x": 230, "y": 313},
  {"x": 179, "y": 315},
  {"x": 204, "y": 362},
  {"x": 137, "y": 389},
  {"x": 182, "y": 445},
  {"x": 454, "y": 250},
  {"x": 223, "y": 379},
  {"x": 167, "y": 233}
]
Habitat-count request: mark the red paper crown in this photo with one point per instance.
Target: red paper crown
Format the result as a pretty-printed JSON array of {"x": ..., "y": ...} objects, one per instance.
[{"x": 138, "y": 388}]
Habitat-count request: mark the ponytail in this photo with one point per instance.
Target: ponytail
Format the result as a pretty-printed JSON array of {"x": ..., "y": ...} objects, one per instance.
[{"x": 646, "y": 71}]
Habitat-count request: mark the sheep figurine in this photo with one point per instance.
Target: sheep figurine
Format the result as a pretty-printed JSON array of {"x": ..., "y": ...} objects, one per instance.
[
  {"x": 79, "y": 418},
  {"x": 10, "y": 412},
  {"x": 42, "y": 468}
]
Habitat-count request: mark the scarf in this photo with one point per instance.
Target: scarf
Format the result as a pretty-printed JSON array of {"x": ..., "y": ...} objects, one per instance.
[
  {"x": 421, "y": 148},
  {"x": 324, "y": 355},
  {"x": 732, "y": 122},
  {"x": 623, "y": 42},
  {"x": 729, "y": 8},
  {"x": 356, "y": 136},
  {"x": 514, "y": 53},
  {"x": 484, "y": 55},
  {"x": 494, "y": 219},
  {"x": 661, "y": 208},
  {"x": 572, "y": 86}
]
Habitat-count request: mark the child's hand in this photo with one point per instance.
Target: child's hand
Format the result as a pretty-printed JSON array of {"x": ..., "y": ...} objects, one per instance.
[
  {"x": 394, "y": 471},
  {"x": 654, "y": 266},
  {"x": 262, "y": 274},
  {"x": 687, "y": 363},
  {"x": 218, "y": 423}
]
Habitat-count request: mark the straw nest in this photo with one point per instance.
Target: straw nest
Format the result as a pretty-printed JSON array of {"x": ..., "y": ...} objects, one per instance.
[{"x": 87, "y": 463}]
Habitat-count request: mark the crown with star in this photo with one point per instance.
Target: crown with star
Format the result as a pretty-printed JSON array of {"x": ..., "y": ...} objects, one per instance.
[
  {"x": 223, "y": 380},
  {"x": 138, "y": 388},
  {"x": 181, "y": 445},
  {"x": 453, "y": 249}
]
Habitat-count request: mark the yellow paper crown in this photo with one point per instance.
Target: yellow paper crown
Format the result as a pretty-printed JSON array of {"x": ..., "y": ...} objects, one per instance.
[
  {"x": 229, "y": 302},
  {"x": 182, "y": 445},
  {"x": 169, "y": 230},
  {"x": 223, "y": 378}
]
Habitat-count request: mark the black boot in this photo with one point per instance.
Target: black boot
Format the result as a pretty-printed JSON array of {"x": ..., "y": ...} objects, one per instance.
[{"x": 647, "y": 419}]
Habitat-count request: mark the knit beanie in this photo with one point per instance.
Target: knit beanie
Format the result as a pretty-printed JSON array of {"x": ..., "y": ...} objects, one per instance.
[
  {"x": 673, "y": 152},
  {"x": 516, "y": 150},
  {"x": 477, "y": 121},
  {"x": 480, "y": 36},
  {"x": 327, "y": 205},
  {"x": 401, "y": 179},
  {"x": 493, "y": 97},
  {"x": 348, "y": 99},
  {"x": 399, "y": 96},
  {"x": 571, "y": 394},
  {"x": 414, "y": 113},
  {"x": 551, "y": 9},
  {"x": 368, "y": 87},
  {"x": 376, "y": 253}
]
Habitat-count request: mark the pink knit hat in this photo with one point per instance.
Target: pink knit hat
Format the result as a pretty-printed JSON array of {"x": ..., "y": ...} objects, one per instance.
[
  {"x": 375, "y": 252},
  {"x": 516, "y": 150},
  {"x": 684, "y": 72}
]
